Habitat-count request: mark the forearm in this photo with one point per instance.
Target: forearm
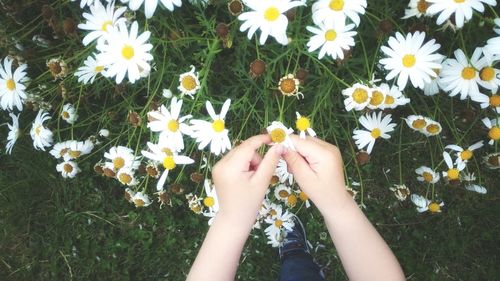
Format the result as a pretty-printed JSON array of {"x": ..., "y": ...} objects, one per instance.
[
  {"x": 220, "y": 253},
  {"x": 363, "y": 252}
]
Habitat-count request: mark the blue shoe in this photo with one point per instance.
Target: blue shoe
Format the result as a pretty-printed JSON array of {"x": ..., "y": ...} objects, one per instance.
[{"x": 295, "y": 240}]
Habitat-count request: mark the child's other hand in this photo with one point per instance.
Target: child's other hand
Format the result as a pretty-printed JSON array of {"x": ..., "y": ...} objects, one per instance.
[
  {"x": 318, "y": 169},
  {"x": 242, "y": 177}
]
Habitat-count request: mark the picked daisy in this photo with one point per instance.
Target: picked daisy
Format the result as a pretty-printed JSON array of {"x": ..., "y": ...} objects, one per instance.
[
  {"x": 338, "y": 9},
  {"x": 100, "y": 19},
  {"x": 280, "y": 134},
  {"x": 120, "y": 157},
  {"x": 124, "y": 53},
  {"x": 494, "y": 129},
  {"x": 89, "y": 71},
  {"x": 189, "y": 82},
  {"x": 409, "y": 58},
  {"x": 13, "y": 133},
  {"x": 462, "y": 9},
  {"x": 210, "y": 201},
  {"x": 282, "y": 172},
  {"x": 68, "y": 113},
  {"x": 42, "y": 137},
  {"x": 68, "y": 169},
  {"x": 169, "y": 158},
  {"x": 150, "y": 5},
  {"x": 464, "y": 155},
  {"x": 170, "y": 124},
  {"x": 417, "y": 8},
  {"x": 357, "y": 97},
  {"x": 140, "y": 199},
  {"x": 427, "y": 175},
  {"x": 268, "y": 16},
  {"x": 303, "y": 125},
  {"x": 12, "y": 85},
  {"x": 332, "y": 37},
  {"x": 453, "y": 172},
  {"x": 375, "y": 127},
  {"x": 304, "y": 198}
]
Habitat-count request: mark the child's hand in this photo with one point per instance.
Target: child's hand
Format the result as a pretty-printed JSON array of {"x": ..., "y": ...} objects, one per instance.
[
  {"x": 318, "y": 168},
  {"x": 242, "y": 177}
]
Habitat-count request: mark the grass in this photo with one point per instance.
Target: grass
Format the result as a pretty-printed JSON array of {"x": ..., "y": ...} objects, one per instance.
[{"x": 54, "y": 229}]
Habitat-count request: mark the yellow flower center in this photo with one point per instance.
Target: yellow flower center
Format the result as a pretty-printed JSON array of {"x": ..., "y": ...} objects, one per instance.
[
  {"x": 118, "y": 163},
  {"x": 422, "y": 6},
  {"x": 409, "y": 60},
  {"x": 433, "y": 129},
  {"x": 278, "y": 135},
  {"x": 38, "y": 130},
  {"x": 124, "y": 178},
  {"x": 196, "y": 209},
  {"x": 188, "y": 82},
  {"x": 128, "y": 52},
  {"x": 63, "y": 151},
  {"x": 466, "y": 154},
  {"x": 389, "y": 100},
  {"x": 287, "y": 86},
  {"x": 418, "y": 124},
  {"x": 99, "y": 68},
  {"x": 273, "y": 212},
  {"x": 487, "y": 73},
  {"x": 218, "y": 125},
  {"x": 167, "y": 151},
  {"x": 11, "y": 85},
  {"x": 278, "y": 223},
  {"x": 302, "y": 123},
  {"x": 173, "y": 126},
  {"x": 377, "y": 98},
  {"x": 360, "y": 96},
  {"x": 495, "y": 100},
  {"x": 65, "y": 115},
  {"x": 169, "y": 163},
  {"x": 104, "y": 26},
  {"x": 434, "y": 207},
  {"x": 330, "y": 35},
  {"x": 68, "y": 168},
  {"x": 459, "y": 1},
  {"x": 209, "y": 201},
  {"x": 468, "y": 73},
  {"x": 283, "y": 193},
  {"x": 74, "y": 153},
  {"x": 494, "y": 133},
  {"x": 428, "y": 177},
  {"x": 336, "y": 5},
  {"x": 453, "y": 174},
  {"x": 139, "y": 203},
  {"x": 303, "y": 196},
  {"x": 271, "y": 14},
  {"x": 292, "y": 200},
  {"x": 376, "y": 133}
]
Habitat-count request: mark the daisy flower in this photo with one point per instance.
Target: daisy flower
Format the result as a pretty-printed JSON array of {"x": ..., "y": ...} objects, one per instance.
[
  {"x": 453, "y": 172},
  {"x": 213, "y": 133},
  {"x": 432, "y": 128},
  {"x": 460, "y": 8},
  {"x": 189, "y": 82},
  {"x": 12, "y": 85},
  {"x": 68, "y": 113},
  {"x": 378, "y": 98},
  {"x": 393, "y": 97},
  {"x": 75, "y": 149},
  {"x": 125, "y": 53},
  {"x": 279, "y": 222},
  {"x": 268, "y": 16},
  {"x": 304, "y": 198},
  {"x": 126, "y": 176},
  {"x": 170, "y": 159},
  {"x": 210, "y": 201},
  {"x": 275, "y": 239},
  {"x": 493, "y": 45},
  {"x": 170, "y": 124},
  {"x": 120, "y": 157},
  {"x": 401, "y": 191},
  {"x": 464, "y": 155},
  {"x": 281, "y": 192},
  {"x": 494, "y": 126},
  {"x": 282, "y": 172},
  {"x": 140, "y": 199},
  {"x": 332, "y": 37},
  {"x": 13, "y": 133},
  {"x": 89, "y": 71},
  {"x": 492, "y": 101},
  {"x": 476, "y": 188},
  {"x": 357, "y": 97},
  {"x": 416, "y": 122},
  {"x": 417, "y": 8},
  {"x": 280, "y": 134},
  {"x": 194, "y": 203},
  {"x": 427, "y": 175},
  {"x": 68, "y": 169},
  {"x": 409, "y": 58},
  {"x": 492, "y": 160},
  {"x": 42, "y": 137},
  {"x": 289, "y": 86},
  {"x": 60, "y": 150},
  {"x": 489, "y": 76},
  {"x": 338, "y": 9},
  {"x": 100, "y": 19},
  {"x": 432, "y": 88},
  {"x": 435, "y": 207},
  {"x": 303, "y": 125},
  {"x": 150, "y": 5},
  {"x": 376, "y": 127},
  {"x": 84, "y": 3},
  {"x": 461, "y": 76},
  {"x": 420, "y": 202}
]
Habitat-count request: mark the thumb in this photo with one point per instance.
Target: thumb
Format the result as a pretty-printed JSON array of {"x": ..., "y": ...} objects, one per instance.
[
  {"x": 299, "y": 167},
  {"x": 268, "y": 164}
]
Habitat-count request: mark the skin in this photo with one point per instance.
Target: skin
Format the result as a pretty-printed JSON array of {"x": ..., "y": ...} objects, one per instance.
[{"x": 241, "y": 179}]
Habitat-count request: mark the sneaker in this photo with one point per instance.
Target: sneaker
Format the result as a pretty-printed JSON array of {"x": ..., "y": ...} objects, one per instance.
[{"x": 295, "y": 240}]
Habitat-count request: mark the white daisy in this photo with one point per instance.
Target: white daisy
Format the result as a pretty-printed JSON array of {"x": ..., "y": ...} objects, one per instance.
[
  {"x": 68, "y": 113},
  {"x": 393, "y": 97},
  {"x": 104, "y": 133},
  {"x": 213, "y": 133},
  {"x": 378, "y": 98},
  {"x": 89, "y": 71},
  {"x": 435, "y": 207},
  {"x": 376, "y": 127},
  {"x": 303, "y": 125},
  {"x": 169, "y": 158},
  {"x": 420, "y": 202},
  {"x": 282, "y": 172},
  {"x": 453, "y": 172},
  {"x": 210, "y": 201},
  {"x": 492, "y": 101},
  {"x": 333, "y": 37},
  {"x": 279, "y": 222},
  {"x": 189, "y": 82},
  {"x": 462, "y": 9},
  {"x": 13, "y": 133},
  {"x": 166, "y": 93},
  {"x": 281, "y": 192},
  {"x": 409, "y": 58},
  {"x": 100, "y": 19},
  {"x": 126, "y": 176},
  {"x": 120, "y": 157},
  {"x": 464, "y": 155},
  {"x": 461, "y": 76},
  {"x": 476, "y": 188},
  {"x": 280, "y": 134},
  {"x": 150, "y": 5},
  {"x": 338, "y": 9},
  {"x": 68, "y": 169},
  {"x": 432, "y": 88},
  {"x": 75, "y": 149},
  {"x": 494, "y": 129},
  {"x": 125, "y": 53},
  {"x": 12, "y": 85},
  {"x": 417, "y": 8},
  {"x": 60, "y": 149},
  {"x": 432, "y": 128},
  {"x": 416, "y": 122},
  {"x": 42, "y": 137},
  {"x": 170, "y": 124},
  {"x": 275, "y": 239},
  {"x": 427, "y": 175},
  {"x": 357, "y": 97},
  {"x": 493, "y": 45},
  {"x": 268, "y": 16},
  {"x": 84, "y": 3},
  {"x": 140, "y": 199},
  {"x": 489, "y": 76}
]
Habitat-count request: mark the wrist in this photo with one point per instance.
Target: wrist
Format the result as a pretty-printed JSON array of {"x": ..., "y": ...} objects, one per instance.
[
  {"x": 335, "y": 205},
  {"x": 236, "y": 220}
]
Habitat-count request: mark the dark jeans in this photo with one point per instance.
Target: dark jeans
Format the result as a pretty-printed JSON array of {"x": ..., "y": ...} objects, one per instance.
[{"x": 299, "y": 266}]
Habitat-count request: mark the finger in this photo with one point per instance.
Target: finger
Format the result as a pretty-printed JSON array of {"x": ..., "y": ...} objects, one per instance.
[
  {"x": 253, "y": 143},
  {"x": 255, "y": 161},
  {"x": 268, "y": 165},
  {"x": 310, "y": 147},
  {"x": 299, "y": 167},
  {"x": 243, "y": 153}
]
